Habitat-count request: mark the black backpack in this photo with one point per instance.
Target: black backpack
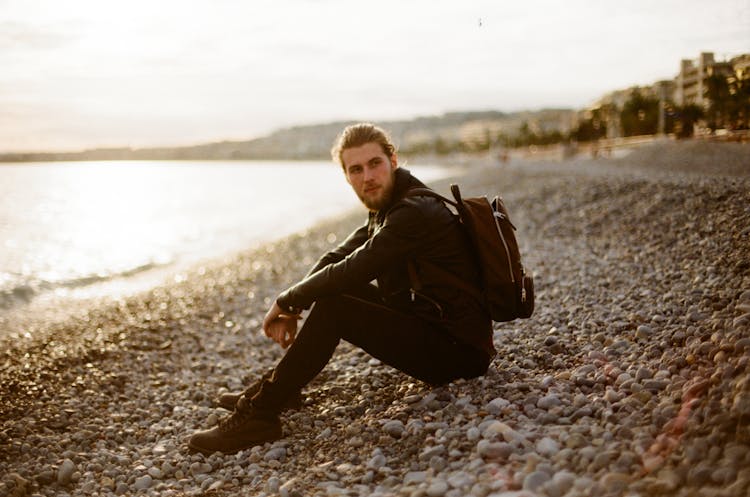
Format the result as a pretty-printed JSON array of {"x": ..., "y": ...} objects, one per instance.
[{"x": 506, "y": 289}]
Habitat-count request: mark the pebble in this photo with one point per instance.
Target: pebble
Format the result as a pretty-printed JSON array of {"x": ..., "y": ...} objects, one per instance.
[
  {"x": 143, "y": 482},
  {"x": 107, "y": 483},
  {"x": 287, "y": 489},
  {"x": 496, "y": 406},
  {"x": 643, "y": 373},
  {"x": 273, "y": 484},
  {"x": 473, "y": 434},
  {"x": 563, "y": 481},
  {"x": 655, "y": 384},
  {"x": 415, "y": 477},
  {"x": 494, "y": 450},
  {"x": 394, "y": 428},
  {"x": 438, "y": 463},
  {"x": 615, "y": 483},
  {"x": 644, "y": 331},
  {"x": 65, "y": 472},
  {"x": 548, "y": 402},
  {"x": 198, "y": 468},
  {"x": 214, "y": 486},
  {"x": 741, "y": 321},
  {"x": 535, "y": 480},
  {"x": 547, "y": 447},
  {"x": 376, "y": 462},
  {"x": 275, "y": 454},
  {"x": 437, "y": 488},
  {"x": 430, "y": 452},
  {"x": 609, "y": 379}
]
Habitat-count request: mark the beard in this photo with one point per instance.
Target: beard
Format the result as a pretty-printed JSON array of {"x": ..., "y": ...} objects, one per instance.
[{"x": 386, "y": 194}]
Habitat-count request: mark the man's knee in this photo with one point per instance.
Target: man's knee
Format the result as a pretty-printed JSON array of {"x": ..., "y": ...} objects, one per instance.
[
  {"x": 346, "y": 304},
  {"x": 327, "y": 315},
  {"x": 327, "y": 306}
]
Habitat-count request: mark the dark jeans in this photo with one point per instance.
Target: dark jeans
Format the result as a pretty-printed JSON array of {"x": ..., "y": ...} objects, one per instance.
[{"x": 410, "y": 344}]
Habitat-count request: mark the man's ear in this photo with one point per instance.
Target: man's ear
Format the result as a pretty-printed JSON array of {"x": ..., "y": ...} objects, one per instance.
[{"x": 394, "y": 161}]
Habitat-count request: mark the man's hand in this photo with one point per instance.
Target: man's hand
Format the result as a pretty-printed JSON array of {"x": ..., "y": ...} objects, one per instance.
[
  {"x": 282, "y": 330},
  {"x": 280, "y": 326}
]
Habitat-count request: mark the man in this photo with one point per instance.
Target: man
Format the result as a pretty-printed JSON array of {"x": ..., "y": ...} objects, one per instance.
[{"x": 431, "y": 331}]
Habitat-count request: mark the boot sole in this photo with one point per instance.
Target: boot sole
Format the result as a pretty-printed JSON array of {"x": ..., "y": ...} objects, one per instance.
[
  {"x": 295, "y": 405},
  {"x": 193, "y": 448},
  {"x": 226, "y": 406}
]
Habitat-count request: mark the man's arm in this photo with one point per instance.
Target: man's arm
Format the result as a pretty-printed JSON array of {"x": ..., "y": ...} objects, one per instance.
[
  {"x": 354, "y": 240},
  {"x": 403, "y": 232},
  {"x": 281, "y": 325}
]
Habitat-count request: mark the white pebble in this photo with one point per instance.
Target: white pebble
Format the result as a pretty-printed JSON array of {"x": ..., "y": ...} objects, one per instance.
[
  {"x": 437, "y": 488},
  {"x": 473, "y": 434},
  {"x": 415, "y": 477},
  {"x": 547, "y": 447}
]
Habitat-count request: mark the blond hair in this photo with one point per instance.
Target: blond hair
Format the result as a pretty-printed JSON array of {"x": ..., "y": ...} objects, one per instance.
[{"x": 360, "y": 134}]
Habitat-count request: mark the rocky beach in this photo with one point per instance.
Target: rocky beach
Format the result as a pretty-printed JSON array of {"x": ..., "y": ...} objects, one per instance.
[{"x": 631, "y": 379}]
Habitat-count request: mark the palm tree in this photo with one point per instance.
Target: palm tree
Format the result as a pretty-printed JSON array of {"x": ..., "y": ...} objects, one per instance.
[
  {"x": 640, "y": 115},
  {"x": 739, "y": 105},
  {"x": 687, "y": 115},
  {"x": 720, "y": 101}
]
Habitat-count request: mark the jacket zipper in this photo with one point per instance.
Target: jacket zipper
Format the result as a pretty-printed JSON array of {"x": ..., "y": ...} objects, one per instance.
[
  {"x": 415, "y": 293},
  {"x": 505, "y": 244}
]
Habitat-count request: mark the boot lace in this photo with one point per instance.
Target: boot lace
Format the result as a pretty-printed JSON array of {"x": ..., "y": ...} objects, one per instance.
[
  {"x": 237, "y": 418},
  {"x": 250, "y": 391}
]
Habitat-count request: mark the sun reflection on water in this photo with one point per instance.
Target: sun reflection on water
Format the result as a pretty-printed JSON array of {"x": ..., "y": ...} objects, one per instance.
[{"x": 70, "y": 225}]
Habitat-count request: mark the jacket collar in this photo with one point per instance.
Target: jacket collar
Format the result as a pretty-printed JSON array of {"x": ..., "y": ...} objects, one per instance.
[{"x": 403, "y": 182}]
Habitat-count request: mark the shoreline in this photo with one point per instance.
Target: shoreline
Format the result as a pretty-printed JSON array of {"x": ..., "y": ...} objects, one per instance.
[
  {"x": 224, "y": 220},
  {"x": 636, "y": 357}
]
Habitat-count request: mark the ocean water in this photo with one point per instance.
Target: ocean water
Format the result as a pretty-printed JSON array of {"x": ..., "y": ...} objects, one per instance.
[{"x": 69, "y": 228}]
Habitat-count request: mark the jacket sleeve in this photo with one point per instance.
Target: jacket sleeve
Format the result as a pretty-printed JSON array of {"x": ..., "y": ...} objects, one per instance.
[
  {"x": 354, "y": 240},
  {"x": 396, "y": 241}
]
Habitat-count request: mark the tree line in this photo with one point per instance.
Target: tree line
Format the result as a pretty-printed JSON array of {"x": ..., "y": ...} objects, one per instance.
[{"x": 728, "y": 108}]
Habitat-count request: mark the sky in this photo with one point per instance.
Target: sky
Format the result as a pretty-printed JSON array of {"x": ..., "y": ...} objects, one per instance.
[{"x": 80, "y": 74}]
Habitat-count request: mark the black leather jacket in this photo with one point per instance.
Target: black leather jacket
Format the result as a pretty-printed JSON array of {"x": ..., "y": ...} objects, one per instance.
[{"x": 408, "y": 229}]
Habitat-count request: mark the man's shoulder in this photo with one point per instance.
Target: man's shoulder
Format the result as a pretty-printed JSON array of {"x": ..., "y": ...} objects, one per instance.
[
  {"x": 419, "y": 206},
  {"x": 425, "y": 203}
]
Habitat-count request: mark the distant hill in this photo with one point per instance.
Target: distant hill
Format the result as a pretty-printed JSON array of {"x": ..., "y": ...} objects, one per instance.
[{"x": 430, "y": 134}]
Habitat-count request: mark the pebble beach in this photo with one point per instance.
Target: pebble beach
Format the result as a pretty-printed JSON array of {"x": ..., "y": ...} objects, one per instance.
[{"x": 632, "y": 378}]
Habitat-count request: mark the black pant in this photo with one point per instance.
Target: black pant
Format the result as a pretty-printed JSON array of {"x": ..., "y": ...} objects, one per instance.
[{"x": 417, "y": 347}]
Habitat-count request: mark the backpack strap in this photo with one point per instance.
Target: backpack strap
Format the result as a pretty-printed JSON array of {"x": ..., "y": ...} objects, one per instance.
[
  {"x": 455, "y": 280},
  {"x": 426, "y": 192}
]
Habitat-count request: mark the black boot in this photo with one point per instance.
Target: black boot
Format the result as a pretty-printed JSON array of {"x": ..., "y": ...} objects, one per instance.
[
  {"x": 246, "y": 427},
  {"x": 229, "y": 400}
]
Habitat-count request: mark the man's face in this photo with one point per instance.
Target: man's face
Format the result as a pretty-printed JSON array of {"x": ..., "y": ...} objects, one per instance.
[{"x": 371, "y": 173}]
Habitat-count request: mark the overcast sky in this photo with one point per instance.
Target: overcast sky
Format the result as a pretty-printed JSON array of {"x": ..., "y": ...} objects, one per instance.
[{"x": 77, "y": 74}]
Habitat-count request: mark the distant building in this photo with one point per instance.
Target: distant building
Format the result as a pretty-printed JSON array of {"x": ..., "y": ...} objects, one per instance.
[
  {"x": 664, "y": 90},
  {"x": 608, "y": 107},
  {"x": 690, "y": 83},
  {"x": 607, "y": 110},
  {"x": 740, "y": 67},
  {"x": 690, "y": 86}
]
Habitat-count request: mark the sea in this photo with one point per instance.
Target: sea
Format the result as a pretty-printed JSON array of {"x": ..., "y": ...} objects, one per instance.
[{"x": 91, "y": 229}]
